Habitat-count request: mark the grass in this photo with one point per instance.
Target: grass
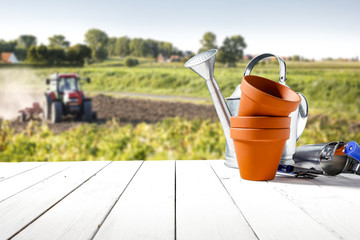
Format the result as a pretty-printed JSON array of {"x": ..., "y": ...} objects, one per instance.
[{"x": 330, "y": 87}]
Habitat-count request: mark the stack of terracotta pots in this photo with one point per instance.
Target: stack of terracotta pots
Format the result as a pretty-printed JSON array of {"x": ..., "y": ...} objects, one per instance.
[{"x": 262, "y": 127}]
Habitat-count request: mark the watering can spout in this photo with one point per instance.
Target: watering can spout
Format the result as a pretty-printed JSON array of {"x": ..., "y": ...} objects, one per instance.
[{"x": 203, "y": 64}]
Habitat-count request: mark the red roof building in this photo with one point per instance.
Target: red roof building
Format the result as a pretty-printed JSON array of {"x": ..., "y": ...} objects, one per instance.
[{"x": 9, "y": 57}]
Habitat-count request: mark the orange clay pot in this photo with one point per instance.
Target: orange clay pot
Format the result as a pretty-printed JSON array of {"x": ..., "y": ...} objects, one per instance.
[
  {"x": 258, "y": 151},
  {"x": 264, "y": 97},
  {"x": 259, "y": 122}
]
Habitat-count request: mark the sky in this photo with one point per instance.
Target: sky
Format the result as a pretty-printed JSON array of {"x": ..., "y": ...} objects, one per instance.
[{"x": 312, "y": 29}]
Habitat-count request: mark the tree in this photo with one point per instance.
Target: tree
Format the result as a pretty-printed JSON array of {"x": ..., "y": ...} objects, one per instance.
[
  {"x": 176, "y": 51},
  {"x": 111, "y": 46},
  {"x": 165, "y": 48},
  {"x": 31, "y": 56},
  {"x": 20, "y": 53},
  {"x": 137, "y": 47},
  {"x": 97, "y": 41},
  {"x": 232, "y": 50},
  {"x": 78, "y": 53},
  {"x": 7, "y": 46},
  {"x": 58, "y": 41},
  {"x": 3, "y": 45},
  {"x": 56, "y": 56},
  {"x": 100, "y": 54},
  {"x": 151, "y": 48},
  {"x": 37, "y": 54},
  {"x": 42, "y": 53},
  {"x": 208, "y": 42},
  {"x": 122, "y": 46},
  {"x": 26, "y": 41}
]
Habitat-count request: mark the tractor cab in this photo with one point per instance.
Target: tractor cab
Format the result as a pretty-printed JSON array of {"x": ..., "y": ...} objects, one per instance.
[
  {"x": 65, "y": 95},
  {"x": 67, "y": 84},
  {"x": 61, "y": 82}
]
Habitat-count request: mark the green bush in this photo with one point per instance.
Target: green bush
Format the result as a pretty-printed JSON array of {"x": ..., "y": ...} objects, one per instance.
[
  {"x": 131, "y": 62},
  {"x": 169, "y": 139}
]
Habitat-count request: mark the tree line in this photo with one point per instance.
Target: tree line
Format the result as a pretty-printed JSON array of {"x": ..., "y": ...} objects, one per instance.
[
  {"x": 103, "y": 46},
  {"x": 99, "y": 46},
  {"x": 57, "y": 52}
]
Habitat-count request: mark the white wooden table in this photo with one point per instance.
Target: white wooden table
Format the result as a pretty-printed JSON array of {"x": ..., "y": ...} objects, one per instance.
[{"x": 171, "y": 200}]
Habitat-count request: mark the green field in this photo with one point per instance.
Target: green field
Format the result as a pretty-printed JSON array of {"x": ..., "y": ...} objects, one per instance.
[{"x": 332, "y": 89}]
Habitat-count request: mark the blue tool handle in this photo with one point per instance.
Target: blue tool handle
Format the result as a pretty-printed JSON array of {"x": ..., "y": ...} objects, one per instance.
[
  {"x": 285, "y": 168},
  {"x": 352, "y": 149}
]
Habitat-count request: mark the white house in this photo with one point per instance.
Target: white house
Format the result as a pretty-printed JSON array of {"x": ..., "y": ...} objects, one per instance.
[{"x": 9, "y": 57}]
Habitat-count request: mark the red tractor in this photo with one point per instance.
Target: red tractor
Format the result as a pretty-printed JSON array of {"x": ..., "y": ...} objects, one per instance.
[{"x": 64, "y": 97}]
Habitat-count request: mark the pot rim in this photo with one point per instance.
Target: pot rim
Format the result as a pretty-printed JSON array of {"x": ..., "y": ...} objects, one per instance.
[
  {"x": 260, "y": 122},
  {"x": 274, "y": 98},
  {"x": 259, "y": 134}
]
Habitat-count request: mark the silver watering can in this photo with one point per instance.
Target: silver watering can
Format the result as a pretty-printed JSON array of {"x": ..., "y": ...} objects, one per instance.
[{"x": 203, "y": 64}]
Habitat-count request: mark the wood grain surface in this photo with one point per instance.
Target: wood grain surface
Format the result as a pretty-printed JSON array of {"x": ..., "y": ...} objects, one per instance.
[{"x": 171, "y": 200}]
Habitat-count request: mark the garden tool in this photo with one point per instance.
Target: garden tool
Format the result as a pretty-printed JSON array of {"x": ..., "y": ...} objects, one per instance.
[
  {"x": 352, "y": 149},
  {"x": 297, "y": 172},
  {"x": 203, "y": 64},
  {"x": 329, "y": 157}
]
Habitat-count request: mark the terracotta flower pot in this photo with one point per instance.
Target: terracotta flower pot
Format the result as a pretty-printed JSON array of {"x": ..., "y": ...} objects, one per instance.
[
  {"x": 259, "y": 122},
  {"x": 264, "y": 97},
  {"x": 258, "y": 151}
]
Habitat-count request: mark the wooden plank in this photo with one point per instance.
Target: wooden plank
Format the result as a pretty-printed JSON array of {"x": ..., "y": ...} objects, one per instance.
[
  {"x": 204, "y": 209},
  {"x": 327, "y": 200},
  {"x": 27, "y": 179},
  {"x": 270, "y": 214},
  {"x": 86, "y": 208},
  {"x": 346, "y": 186},
  {"x": 352, "y": 177},
  {"x": 146, "y": 208},
  {"x": 10, "y": 169},
  {"x": 23, "y": 208}
]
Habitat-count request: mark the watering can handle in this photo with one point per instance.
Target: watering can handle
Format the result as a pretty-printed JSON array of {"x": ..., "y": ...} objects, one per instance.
[
  {"x": 255, "y": 60},
  {"x": 303, "y": 115}
]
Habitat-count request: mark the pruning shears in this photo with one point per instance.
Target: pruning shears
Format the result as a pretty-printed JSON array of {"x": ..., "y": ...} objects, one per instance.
[{"x": 298, "y": 172}]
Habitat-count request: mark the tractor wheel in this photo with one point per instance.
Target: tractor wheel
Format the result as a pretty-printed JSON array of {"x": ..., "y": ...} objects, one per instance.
[
  {"x": 94, "y": 116},
  {"x": 56, "y": 112},
  {"x": 47, "y": 107},
  {"x": 22, "y": 117},
  {"x": 87, "y": 111},
  {"x": 78, "y": 117}
]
